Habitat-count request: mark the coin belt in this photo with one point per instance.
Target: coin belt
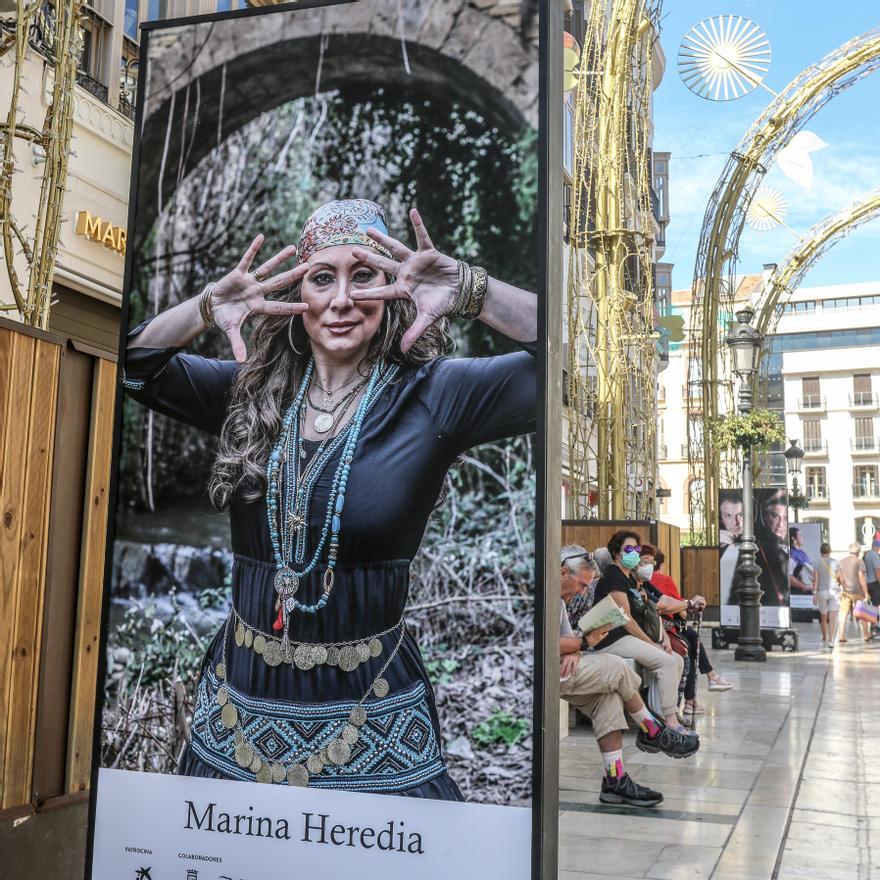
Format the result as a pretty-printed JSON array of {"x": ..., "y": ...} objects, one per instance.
[
  {"x": 337, "y": 753},
  {"x": 306, "y": 655}
]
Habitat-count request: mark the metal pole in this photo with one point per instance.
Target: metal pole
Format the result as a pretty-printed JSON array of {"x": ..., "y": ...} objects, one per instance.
[
  {"x": 749, "y": 645},
  {"x": 797, "y": 494}
]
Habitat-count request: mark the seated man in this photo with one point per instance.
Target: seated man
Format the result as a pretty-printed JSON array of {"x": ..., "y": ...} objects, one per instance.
[{"x": 604, "y": 687}]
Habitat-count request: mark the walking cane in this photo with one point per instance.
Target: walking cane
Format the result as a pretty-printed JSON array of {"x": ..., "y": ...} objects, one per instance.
[{"x": 698, "y": 620}]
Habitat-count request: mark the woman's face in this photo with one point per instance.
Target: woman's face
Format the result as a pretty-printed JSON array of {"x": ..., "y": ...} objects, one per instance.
[{"x": 336, "y": 324}]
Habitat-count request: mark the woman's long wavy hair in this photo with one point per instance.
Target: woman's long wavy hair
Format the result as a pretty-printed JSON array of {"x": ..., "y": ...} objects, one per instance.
[{"x": 267, "y": 382}]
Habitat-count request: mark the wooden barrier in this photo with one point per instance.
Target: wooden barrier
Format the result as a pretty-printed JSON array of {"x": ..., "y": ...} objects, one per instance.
[
  {"x": 43, "y": 573},
  {"x": 700, "y": 573}
]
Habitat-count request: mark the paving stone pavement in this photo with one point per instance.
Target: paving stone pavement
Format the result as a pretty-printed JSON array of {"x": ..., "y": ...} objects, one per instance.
[{"x": 783, "y": 788}]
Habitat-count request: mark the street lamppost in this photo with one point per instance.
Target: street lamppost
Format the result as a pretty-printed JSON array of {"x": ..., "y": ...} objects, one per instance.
[
  {"x": 793, "y": 457},
  {"x": 744, "y": 342}
]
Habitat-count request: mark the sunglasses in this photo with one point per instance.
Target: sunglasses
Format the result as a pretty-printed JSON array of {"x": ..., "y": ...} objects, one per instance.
[
  {"x": 631, "y": 548},
  {"x": 587, "y": 556}
]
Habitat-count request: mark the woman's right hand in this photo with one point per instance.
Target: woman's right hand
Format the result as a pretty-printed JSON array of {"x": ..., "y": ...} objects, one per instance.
[{"x": 242, "y": 293}]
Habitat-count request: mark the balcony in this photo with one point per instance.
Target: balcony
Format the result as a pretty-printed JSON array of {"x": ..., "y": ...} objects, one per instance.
[
  {"x": 662, "y": 452},
  {"x": 864, "y": 400},
  {"x": 865, "y": 446},
  {"x": 818, "y": 496},
  {"x": 811, "y": 403},
  {"x": 815, "y": 449},
  {"x": 684, "y": 450},
  {"x": 867, "y": 492}
]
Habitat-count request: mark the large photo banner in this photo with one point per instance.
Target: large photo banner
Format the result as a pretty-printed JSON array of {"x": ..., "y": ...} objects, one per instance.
[
  {"x": 321, "y": 637},
  {"x": 771, "y": 532},
  {"x": 805, "y": 557}
]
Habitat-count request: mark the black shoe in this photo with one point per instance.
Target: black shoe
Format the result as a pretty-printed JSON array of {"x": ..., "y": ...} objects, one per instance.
[
  {"x": 625, "y": 791},
  {"x": 670, "y": 742}
]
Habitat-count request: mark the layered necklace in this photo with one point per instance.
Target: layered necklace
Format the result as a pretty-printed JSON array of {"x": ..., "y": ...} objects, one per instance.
[{"x": 290, "y": 489}]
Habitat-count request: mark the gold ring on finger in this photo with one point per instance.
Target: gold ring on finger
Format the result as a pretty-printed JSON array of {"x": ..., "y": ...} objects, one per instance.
[{"x": 260, "y": 275}]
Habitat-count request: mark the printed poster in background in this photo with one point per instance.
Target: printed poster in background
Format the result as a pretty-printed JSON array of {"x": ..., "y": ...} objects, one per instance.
[
  {"x": 771, "y": 536},
  {"x": 805, "y": 539},
  {"x": 290, "y": 558}
]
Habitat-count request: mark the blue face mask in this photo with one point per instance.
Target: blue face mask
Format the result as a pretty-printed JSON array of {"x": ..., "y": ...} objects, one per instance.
[{"x": 630, "y": 560}]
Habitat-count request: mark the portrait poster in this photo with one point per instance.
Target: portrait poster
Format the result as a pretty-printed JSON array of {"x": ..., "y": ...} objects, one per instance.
[
  {"x": 321, "y": 632},
  {"x": 805, "y": 541},
  {"x": 770, "y": 528}
]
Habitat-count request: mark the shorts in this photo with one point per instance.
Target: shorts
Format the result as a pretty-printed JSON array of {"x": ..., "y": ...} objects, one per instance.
[{"x": 827, "y": 601}]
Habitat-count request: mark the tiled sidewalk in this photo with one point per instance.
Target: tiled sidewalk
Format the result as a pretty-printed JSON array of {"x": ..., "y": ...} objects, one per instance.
[{"x": 784, "y": 785}]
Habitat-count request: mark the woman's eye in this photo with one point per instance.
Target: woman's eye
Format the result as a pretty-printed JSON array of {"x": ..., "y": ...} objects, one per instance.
[
  {"x": 322, "y": 278},
  {"x": 364, "y": 276}
]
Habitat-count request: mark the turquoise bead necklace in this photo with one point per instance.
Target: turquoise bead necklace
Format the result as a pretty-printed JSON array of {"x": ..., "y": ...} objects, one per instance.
[{"x": 289, "y": 494}]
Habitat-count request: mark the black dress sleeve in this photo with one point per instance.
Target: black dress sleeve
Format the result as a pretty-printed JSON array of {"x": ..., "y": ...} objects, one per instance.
[
  {"x": 479, "y": 400},
  {"x": 186, "y": 387}
]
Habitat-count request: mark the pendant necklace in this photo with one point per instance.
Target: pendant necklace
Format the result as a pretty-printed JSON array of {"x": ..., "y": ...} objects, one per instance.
[{"x": 327, "y": 418}]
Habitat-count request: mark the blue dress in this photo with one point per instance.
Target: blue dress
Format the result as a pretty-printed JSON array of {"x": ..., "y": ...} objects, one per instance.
[{"x": 410, "y": 437}]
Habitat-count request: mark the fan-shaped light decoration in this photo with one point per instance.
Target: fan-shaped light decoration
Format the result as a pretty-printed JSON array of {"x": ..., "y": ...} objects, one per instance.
[
  {"x": 794, "y": 160},
  {"x": 571, "y": 58},
  {"x": 767, "y": 209},
  {"x": 724, "y": 57}
]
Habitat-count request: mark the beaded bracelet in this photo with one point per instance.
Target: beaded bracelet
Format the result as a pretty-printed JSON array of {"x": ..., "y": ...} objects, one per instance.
[{"x": 206, "y": 310}]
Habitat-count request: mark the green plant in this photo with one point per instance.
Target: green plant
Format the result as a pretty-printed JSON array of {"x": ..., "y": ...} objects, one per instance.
[
  {"x": 501, "y": 727},
  {"x": 758, "y": 429}
]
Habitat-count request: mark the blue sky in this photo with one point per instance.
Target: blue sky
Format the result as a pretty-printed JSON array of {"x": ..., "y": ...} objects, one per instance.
[{"x": 700, "y": 134}]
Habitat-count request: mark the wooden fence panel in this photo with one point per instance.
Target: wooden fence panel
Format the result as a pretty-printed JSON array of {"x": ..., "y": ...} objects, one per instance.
[
  {"x": 91, "y": 580},
  {"x": 700, "y": 574},
  {"x": 29, "y": 379},
  {"x": 594, "y": 533}
]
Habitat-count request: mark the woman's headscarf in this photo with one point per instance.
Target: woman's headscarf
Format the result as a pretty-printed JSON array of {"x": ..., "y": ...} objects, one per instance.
[{"x": 342, "y": 222}]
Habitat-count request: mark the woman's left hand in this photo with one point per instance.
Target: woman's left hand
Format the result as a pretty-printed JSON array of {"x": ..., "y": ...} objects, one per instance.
[{"x": 425, "y": 276}]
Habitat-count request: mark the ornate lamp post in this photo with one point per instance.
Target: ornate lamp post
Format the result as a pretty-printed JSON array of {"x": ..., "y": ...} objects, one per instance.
[
  {"x": 744, "y": 342},
  {"x": 793, "y": 457}
]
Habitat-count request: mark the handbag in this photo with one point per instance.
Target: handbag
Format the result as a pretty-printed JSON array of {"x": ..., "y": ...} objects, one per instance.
[
  {"x": 865, "y": 611},
  {"x": 678, "y": 643},
  {"x": 645, "y": 614}
]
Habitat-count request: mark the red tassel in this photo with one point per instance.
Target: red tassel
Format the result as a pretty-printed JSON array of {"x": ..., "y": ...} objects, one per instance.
[{"x": 279, "y": 621}]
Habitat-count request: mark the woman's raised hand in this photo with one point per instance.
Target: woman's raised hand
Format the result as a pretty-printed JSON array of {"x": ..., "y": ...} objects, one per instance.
[
  {"x": 425, "y": 276},
  {"x": 242, "y": 293}
]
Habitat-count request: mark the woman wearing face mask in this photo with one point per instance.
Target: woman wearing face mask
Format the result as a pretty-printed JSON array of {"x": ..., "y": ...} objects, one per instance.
[{"x": 642, "y": 603}]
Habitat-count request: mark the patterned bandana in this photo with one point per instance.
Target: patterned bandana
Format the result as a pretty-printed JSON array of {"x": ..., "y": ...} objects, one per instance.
[{"x": 342, "y": 222}]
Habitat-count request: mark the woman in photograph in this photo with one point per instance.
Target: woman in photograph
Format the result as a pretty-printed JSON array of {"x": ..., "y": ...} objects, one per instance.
[{"x": 337, "y": 426}]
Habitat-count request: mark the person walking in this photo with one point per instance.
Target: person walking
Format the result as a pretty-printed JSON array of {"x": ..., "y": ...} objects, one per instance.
[
  {"x": 827, "y": 596},
  {"x": 855, "y": 587},
  {"x": 872, "y": 575}
]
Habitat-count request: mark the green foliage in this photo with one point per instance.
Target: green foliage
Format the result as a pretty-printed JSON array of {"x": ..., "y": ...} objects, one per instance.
[
  {"x": 693, "y": 538},
  {"x": 760, "y": 429},
  {"x": 440, "y": 668},
  {"x": 500, "y": 728}
]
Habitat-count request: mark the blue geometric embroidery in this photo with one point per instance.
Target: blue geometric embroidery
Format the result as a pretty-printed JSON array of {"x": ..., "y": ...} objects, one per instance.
[{"x": 397, "y": 748}]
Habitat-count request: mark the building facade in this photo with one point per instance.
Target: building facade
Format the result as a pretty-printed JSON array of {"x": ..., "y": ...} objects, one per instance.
[{"x": 824, "y": 381}]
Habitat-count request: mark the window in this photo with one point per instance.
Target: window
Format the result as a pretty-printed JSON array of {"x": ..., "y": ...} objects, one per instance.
[
  {"x": 865, "y": 481},
  {"x": 568, "y": 138},
  {"x": 157, "y": 9},
  {"x": 95, "y": 37},
  {"x": 811, "y": 398},
  {"x": 131, "y": 19},
  {"x": 812, "y": 431},
  {"x": 862, "y": 393},
  {"x": 815, "y": 480},
  {"x": 864, "y": 428}
]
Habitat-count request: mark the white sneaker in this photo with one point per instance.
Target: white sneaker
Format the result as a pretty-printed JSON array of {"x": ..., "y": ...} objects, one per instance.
[
  {"x": 824, "y": 643},
  {"x": 720, "y": 684}
]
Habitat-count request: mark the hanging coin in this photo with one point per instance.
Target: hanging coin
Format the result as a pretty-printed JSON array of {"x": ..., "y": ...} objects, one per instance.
[
  {"x": 286, "y": 582},
  {"x": 229, "y": 716},
  {"x": 298, "y": 775},
  {"x": 323, "y": 423},
  {"x": 319, "y": 653},
  {"x": 239, "y": 635},
  {"x": 363, "y": 652},
  {"x": 220, "y": 669},
  {"x": 339, "y": 751},
  {"x": 277, "y": 773},
  {"x": 325, "y": 760},
  {"x": 272, "y": 654},
  {"x": 248, "y": 638},
  {"x": 222, "y": 696},
  {"x": 358, "y": 716},
  {"x": 350, "y": 734},
  {"x": 244, "y": 754},
  {"x": 375, "y": 647},
  {"x": 259, "y": 644},
  {"x": 314, "y": 765},
  {"x": 264, "y": 774},
  {"x": 302, "y": 657},
  {"x": 332, "y": 656},
  {"x": 238, "y": 739},
  {"x": 256, "y": 764},
  {"x": 348, "y": 658},
  {"x": 380, "y": 687}
]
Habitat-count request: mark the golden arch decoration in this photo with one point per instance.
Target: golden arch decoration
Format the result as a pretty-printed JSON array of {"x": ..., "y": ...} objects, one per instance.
[{"x": 714, "y": 271}]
